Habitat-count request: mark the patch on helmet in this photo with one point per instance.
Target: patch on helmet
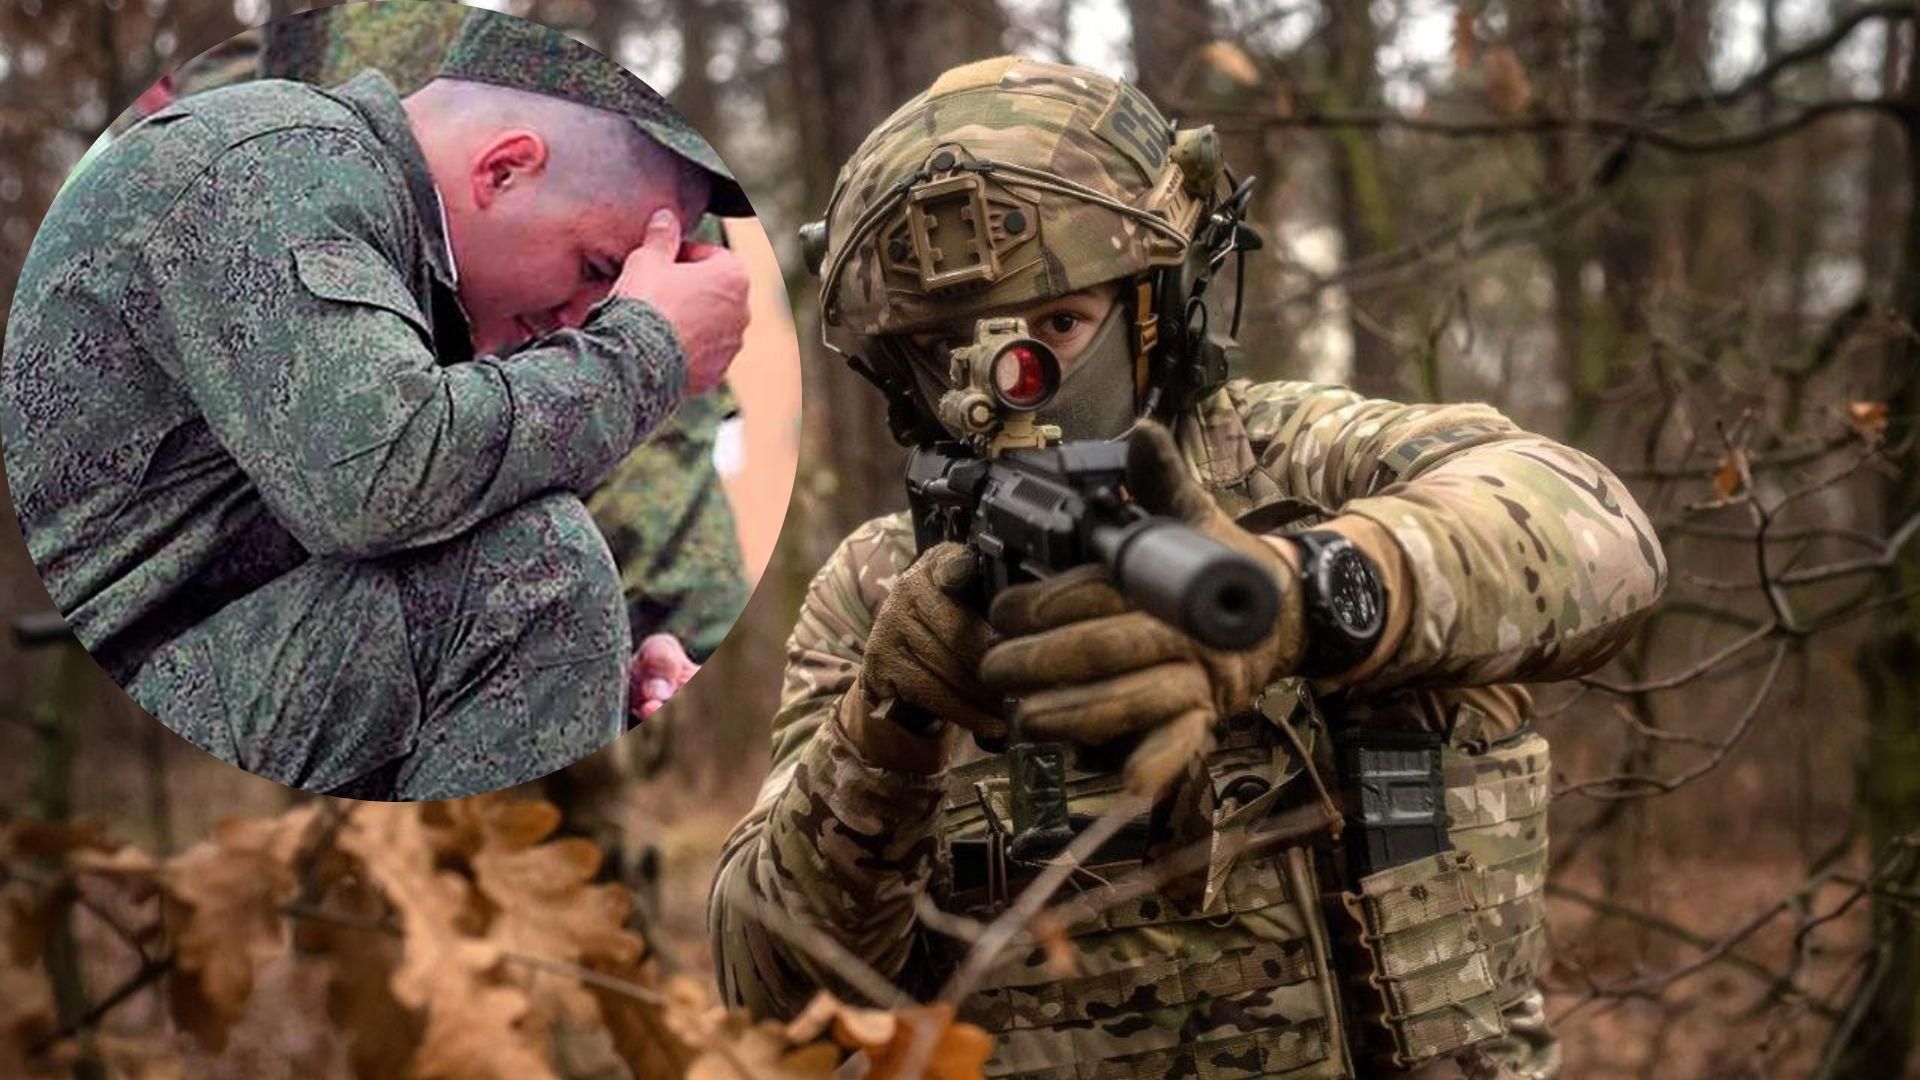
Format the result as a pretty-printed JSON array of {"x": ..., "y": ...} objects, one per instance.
[
  {"x": 972, "y": 76},
  {"x": 1133, "y": 126}
]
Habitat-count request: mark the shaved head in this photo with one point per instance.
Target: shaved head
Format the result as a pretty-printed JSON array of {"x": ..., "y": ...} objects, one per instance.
[
  {"x": 544, "y": 199},
  {"x": 593, "y": 154}
]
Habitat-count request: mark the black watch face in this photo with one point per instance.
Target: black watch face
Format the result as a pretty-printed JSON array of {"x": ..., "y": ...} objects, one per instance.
[{"x": 1353, "y": 594}]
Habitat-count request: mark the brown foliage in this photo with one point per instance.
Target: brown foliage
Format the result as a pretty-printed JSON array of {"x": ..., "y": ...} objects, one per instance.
[{"x": 452, "y": 938}]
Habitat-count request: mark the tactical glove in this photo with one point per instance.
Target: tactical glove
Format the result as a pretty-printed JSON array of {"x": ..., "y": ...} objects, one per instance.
[
  {"x": 922, "y": 665},
  {"x": 1088, "y": 670}
]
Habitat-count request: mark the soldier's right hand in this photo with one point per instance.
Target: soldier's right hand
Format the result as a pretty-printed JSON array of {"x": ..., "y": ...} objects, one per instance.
[
  {"x": 701, "y": 289},
  {"x": 922, "y": 663}
]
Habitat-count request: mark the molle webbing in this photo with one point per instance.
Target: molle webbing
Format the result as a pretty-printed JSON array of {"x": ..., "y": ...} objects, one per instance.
[
  {"x": 1235, "y": 992},
  {"x": 1497, "y": 813},
  {"x": 1164, "y": 983},
  {"x": 1258, "y": 1054},
  {"x": 1431, "y": 990}
]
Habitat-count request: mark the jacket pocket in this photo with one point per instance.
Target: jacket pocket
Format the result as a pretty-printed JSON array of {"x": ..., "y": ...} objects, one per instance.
[{"x": 350, "y": 272}]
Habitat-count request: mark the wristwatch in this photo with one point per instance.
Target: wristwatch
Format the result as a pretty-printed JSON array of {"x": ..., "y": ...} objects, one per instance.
[{"x": 1346, "y": 607}]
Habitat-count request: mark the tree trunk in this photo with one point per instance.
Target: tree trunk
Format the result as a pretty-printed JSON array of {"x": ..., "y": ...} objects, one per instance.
[
  {"x": 1167, "y": 35},
  {"x": 695, "y": 95},
  {"x": 840, "y": 93},
  {"x": 1878, "y": 1037},
  {"x": 1365, "y": 216}
]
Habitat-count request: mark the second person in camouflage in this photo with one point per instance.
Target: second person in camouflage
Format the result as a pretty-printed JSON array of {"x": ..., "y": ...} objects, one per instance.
[
  {"x": 1014, "y": 187},
  {"x": 327, "y": 542},
  {"x": 663, "y": 511}
]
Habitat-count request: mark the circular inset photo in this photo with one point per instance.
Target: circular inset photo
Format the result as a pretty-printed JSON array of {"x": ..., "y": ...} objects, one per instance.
[{"x": 381, "y": 405}]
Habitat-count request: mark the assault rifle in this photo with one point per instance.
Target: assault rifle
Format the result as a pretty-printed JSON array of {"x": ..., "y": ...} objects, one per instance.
[{"x": 1031, "y": 506}]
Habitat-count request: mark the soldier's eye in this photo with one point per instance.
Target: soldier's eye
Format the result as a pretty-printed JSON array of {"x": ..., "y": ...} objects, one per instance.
[{"x": 1061, "y": 323}]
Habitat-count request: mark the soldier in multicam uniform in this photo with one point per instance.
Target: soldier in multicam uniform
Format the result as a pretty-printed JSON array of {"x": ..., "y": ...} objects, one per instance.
[
  {"x": 1016, "y": 187},
  {"x": 259, "y": 465}
]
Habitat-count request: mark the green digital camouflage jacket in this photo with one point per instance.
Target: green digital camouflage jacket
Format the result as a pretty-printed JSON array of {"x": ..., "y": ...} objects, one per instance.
[
  {"x": 663, "y": 511},
  {"x": 1529, "y": 560},
  {"x": 236, "y": 344}
]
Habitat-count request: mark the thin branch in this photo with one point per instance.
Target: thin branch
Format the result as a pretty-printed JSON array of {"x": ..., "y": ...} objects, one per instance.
[
  {"x": 1642, "y": 785},
  {"x": 147, "y": 974},
  {"x": 1779, "y": 986},
  {"x": 1680, "y": 678},
  {"x": 1603, "y": 126},
  {"x": 823, "y": 947},
  {"x": 1001, "y": 933},
  {"x": 1813, "y": 49}
]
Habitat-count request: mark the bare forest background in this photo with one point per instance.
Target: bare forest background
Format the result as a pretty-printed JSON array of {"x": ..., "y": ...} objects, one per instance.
[{"x": 1678, "y": 234}]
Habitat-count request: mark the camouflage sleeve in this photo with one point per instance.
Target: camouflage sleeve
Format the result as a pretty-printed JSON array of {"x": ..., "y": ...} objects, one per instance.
[
  {"x": 1530, "y": 560},
  {"x": 276, "y": 297},
  {"x": 834, "y": 845},
  {"x": 664, "y": 513}
]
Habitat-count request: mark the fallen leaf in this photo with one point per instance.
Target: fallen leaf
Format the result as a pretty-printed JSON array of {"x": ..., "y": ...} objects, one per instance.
[
  {"x": 742, "y": 1049},
  {"x": 26, "y": 839},
  {"x": 474, "y": 1021},
  {"x": 959, "y": 1050},
  {"x": 852, "y": 1026},
  {"x": 126, "y": 861},
  {"x": 135, "y": 1057},
  {"x": 361, "y": 962},
  {"x": 544, "y": 905},
  {"x": 222, "y": 908},
  {"x": 26, "y": 1000},
  {"x": 647, "y": 1037}
]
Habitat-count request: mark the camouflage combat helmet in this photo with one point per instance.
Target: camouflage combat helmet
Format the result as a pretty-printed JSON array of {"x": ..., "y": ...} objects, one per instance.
[{"x": 1006, "y": 182}]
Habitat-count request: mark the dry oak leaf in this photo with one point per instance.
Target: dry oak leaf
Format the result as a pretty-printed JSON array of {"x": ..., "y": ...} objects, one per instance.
[
  {"x": 959, "y": 1051},
  {"x": 27, "y": 839},
  {"x": 739, "y": 1048},
  {"x": 477, "y": 1026},
  {"x": 26, "y": 1000},
  {"x": 462, "y": 827},
  {"x": 544, "y": 904},
  {"x": 127, "y": 1057},
  {"x": 852, "y": 1026},
  {"x": 1869, "y": 418},
  {"x": 223, "y": 899},
  {"x": 360, "y": 962},
  {"x": 647, "y": 1034}
]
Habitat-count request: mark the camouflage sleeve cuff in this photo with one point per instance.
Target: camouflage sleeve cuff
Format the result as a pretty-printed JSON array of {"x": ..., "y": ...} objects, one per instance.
[
  {"x": 852, "y": 843},
  {"x": 658, "y": 360},
  {"x": 869, "y": 828}
]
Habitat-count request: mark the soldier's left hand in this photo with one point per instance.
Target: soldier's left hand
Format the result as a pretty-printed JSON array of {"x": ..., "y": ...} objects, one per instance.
[
  {"x": 1086, "y": 668},
  {"x": 659, "y": 669}
]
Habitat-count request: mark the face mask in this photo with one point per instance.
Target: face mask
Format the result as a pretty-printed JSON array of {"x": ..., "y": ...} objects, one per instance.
[
  {"x": 1095, "y": 399},
  {"x": 1096, "y": 394}
]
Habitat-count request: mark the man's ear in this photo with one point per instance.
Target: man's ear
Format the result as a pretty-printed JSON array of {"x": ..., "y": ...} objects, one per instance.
[{"x": 506, "y": 159}]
